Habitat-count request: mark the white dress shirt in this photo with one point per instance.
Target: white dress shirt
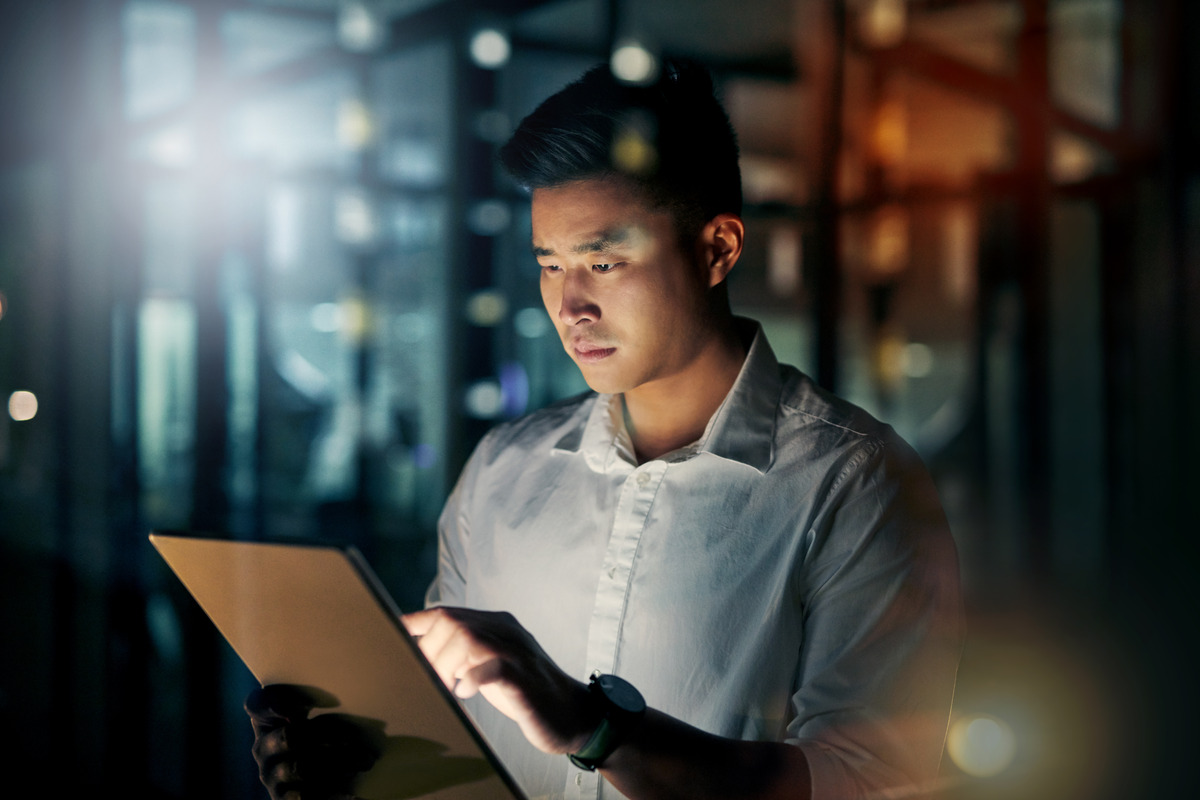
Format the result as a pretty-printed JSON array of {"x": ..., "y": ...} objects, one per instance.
[{"x": 789, "y": 576}]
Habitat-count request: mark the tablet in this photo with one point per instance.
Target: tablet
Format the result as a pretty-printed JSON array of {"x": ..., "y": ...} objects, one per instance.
[{"x": 315, "y": 615}]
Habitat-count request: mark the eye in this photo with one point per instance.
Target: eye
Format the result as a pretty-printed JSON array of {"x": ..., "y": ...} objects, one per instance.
[
  {"x": 550, "y": 267},
  {"x": 604, "y": 267}
]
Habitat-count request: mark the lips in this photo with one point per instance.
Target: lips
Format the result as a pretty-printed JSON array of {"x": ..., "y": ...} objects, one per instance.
[{"x": 587, "y": 353}]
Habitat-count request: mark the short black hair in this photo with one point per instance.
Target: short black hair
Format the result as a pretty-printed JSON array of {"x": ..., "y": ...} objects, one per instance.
[{"x": 671, "y": 137}]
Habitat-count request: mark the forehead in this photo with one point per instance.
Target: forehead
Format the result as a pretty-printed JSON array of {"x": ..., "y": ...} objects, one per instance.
[{"x": 564, "y": 217}]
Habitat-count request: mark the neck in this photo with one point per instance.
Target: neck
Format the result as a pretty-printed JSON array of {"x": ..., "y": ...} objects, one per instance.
[{"x": 672, "y": 412}]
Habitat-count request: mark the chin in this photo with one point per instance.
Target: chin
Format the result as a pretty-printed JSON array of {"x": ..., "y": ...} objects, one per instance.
[{"x": 603, "y": 384}]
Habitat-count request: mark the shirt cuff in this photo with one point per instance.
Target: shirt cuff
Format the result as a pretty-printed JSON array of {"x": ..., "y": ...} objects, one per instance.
[{"x": 829, "y": 776}]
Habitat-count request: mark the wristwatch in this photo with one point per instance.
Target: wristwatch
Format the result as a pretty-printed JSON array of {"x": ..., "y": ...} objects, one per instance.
[{"x": 621, "y": 708}]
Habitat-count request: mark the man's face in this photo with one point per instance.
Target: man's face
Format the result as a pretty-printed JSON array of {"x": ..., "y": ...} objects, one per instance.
[{"x": 628, "y": 304}]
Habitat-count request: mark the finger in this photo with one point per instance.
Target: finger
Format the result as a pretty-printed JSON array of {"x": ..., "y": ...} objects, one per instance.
[
  {"x": 453, "y": 656},
  {"x": 475, "y": 677},
  {"x": 276, "y": 761},
  {"x": 278, "y": 704},
  {"x": 269, "y": 745},
  {"x": 439, "y": 628},
  {"x": 418, "y": 623}
]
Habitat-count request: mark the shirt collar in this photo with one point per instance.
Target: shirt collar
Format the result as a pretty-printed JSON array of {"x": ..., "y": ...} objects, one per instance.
[{"x": 741, "y": 430}]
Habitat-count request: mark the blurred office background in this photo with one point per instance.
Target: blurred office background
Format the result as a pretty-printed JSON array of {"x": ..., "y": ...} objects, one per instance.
[{"x": 260, "y": 276}]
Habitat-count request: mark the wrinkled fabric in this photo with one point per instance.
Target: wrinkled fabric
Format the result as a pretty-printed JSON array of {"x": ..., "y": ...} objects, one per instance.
[{"x": 790, "y": 576}]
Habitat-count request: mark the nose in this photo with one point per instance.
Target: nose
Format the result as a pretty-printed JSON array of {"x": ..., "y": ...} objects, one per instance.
[{"x": 577, "y": 304}]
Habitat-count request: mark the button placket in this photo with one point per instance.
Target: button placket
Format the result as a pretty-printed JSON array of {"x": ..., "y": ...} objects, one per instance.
[{"x": 629, "y": 521}]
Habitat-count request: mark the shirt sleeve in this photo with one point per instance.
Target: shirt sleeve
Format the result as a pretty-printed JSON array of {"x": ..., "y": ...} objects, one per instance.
[
  {"x": 883, "y": 629},
  {"x": 449, "y": 585}
]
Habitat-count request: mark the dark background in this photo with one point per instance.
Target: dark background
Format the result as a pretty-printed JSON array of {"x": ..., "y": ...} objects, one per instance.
[{"x": 261, "y": 278}]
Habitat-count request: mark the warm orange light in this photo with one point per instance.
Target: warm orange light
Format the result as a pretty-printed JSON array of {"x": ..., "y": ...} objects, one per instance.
[
  {"x": 883, "y": 23},
  {"x": 888, "y": 245},
  {"x": 889, "y": 132}
]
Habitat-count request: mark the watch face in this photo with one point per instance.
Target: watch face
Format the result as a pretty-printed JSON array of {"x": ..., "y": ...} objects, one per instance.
[{"x": 622, "y": 694}]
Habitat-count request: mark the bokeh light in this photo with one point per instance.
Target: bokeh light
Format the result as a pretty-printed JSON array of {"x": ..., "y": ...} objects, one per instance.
[
  {"x": 633, "y": 63},
  {"x": 489, "y": 217},
  {"x": 490, "y": 48},
  {"x": 531, "y": 322},
  {"x": 633, "y": 150},
  {"x": 883, "y": 23},
  {"x": 981, "y": 745},
  {"x": 918, "y": 360},
  {"x": 486, "y": 308},
  {"x": 355, "y": 219},
  {"x": 326, "y": 317},
  {"x": 355, "y": 126},
  {"x": 359, "y": 29},
  {"x": 22, "y": 406},
  {"x": 484, "y": 399}
]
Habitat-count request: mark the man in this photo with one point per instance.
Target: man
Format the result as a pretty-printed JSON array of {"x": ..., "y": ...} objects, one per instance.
[{"x": 761, "y": 563}]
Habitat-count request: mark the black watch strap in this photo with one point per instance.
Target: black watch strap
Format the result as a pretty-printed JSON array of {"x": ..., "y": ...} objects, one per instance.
[{"x": 621, "y": 708}]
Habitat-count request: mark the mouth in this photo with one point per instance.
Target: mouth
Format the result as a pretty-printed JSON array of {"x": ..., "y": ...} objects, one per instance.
[{"x": 590, "y": 354}]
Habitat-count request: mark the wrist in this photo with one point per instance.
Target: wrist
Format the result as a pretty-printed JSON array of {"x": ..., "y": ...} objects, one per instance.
[
  {"x": 618, "y": 708},
  {"x": 588, "y": 715}
]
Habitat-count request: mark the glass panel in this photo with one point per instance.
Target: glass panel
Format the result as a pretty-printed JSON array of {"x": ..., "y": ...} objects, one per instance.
[
  {"x": 410, "y": 104},
  {"x": 766, "y": 285},
  {"x": 168, "y": 239},
  {"x": 241, "y": 370},
  {"x": 309, "y": 369},
  {"x": 159, "y": 64},
  {"x": 1085, "y": 58},
  {"x": 166, "y": 408},
  {"x": 256, "y": 41},
  {"x": 296, "y": 126},
  {"x": 408, "y": 412},
  {"x": 908, "y": 318}
]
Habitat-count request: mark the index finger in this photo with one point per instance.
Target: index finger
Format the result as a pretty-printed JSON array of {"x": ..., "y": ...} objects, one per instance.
[
  {"x": 418, "y": 623},
  {"x": 279, "y": 703}
]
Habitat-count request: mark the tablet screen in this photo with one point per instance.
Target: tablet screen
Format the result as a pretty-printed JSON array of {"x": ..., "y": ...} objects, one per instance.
[{"x": 315, "y": 615}]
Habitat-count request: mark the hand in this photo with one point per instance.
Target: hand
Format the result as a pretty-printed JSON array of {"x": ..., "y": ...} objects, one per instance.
[
  {"x": 490, "y": 653},
  {"x": 308, "y": 759}
]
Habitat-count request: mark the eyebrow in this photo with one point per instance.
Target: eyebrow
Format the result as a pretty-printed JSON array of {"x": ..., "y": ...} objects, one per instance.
[{"x": 602, "y": 242}]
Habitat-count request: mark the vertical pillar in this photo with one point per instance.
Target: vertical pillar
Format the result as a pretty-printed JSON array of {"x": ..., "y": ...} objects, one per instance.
[
  {"x": 823, "y": 250},
  {"x": 1032, "y": 260},
  {"x": 472, "y": 257},
  {"x": 210, "y": 502}
]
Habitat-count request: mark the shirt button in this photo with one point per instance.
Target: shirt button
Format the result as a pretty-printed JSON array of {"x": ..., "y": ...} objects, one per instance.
[
  {"x": 579, "y": 779},
  {"x": 643, "y": 479}
]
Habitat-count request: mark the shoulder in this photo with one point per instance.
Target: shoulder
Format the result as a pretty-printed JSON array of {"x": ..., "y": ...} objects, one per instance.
[
  {"x": 537, "y": 431},
  {"x": 816, "y": 428},
  {"x": 811, "y": 411},
  {"x": 873, "y": 497}
]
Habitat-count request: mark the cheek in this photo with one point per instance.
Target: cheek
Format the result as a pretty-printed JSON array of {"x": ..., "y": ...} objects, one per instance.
[
  {"x": 656, "y": 303},
  {"x": 549, "y": 298}
]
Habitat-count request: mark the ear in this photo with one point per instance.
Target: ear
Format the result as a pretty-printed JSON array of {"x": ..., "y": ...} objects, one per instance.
[{"x": 722, "y": 240}]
